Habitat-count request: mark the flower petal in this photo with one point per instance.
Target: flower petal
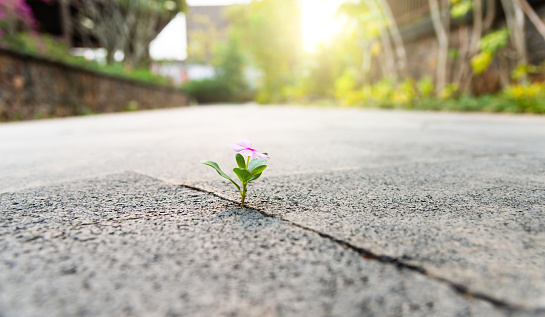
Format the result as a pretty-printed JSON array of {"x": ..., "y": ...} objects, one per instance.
[
  {"x": 241, "y": 145},
  {"x": 244, "y": 143},
  {"x": 236, "y": 147},
  {"x": 248, "y": 152}
]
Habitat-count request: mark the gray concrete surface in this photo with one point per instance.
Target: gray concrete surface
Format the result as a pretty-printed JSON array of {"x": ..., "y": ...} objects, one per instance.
[
  {"x": 360, "y": 213},
  {"x": 476, "y": 223},
  {"x": 126, "y": 245}
]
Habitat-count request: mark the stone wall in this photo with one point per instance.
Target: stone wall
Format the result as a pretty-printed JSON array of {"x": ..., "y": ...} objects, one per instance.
[{"x": 32, "y": 87}]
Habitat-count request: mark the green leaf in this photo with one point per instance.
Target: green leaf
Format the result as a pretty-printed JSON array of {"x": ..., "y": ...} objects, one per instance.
[
  {"x": 255, "y": 163},
  {"x": 215, "y": 166},
  {"x": 494, "y": 41},
  {"x": 254, "y": 177},
  {"x": 240, "y": 161},
  {"x": 258, "y": 170},
  {"x": 461, "y": 9},
  {"x": 481, "y": 61},
  {"x": 242, "y": 174}
]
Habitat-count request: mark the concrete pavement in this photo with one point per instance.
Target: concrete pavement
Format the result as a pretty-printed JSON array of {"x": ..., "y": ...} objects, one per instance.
[{"x": 360, "y": 213}]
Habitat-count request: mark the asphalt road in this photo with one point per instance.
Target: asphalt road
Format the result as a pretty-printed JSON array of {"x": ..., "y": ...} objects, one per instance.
[{"x": 360, "y": 213}]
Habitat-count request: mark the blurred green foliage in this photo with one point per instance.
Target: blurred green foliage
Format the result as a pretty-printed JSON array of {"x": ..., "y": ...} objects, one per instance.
[
  {"x": 489, "y": 45},
  {"x": 230, "y": 63},
  {"x": 265, "y": 36},
  {"x": 494, "y": 41},
  {"x": 269, "y": 33},
  {"x": 460, "y": 8},
  {"x": 341, "y": 71},
  {"x": 528, "y": 98},
  {"x": 229, "y": 84}
]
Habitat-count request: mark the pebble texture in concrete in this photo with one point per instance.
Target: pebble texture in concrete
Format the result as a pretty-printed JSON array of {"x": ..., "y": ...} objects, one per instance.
[
  {"x": 441, "y": 213},
  {"x": 477, "y": 223},
  {"x": 150, "y": 249}
]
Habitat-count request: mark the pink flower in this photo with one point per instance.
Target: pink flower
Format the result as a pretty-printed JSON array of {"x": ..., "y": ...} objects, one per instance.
[{"x": 244, "y": 147}]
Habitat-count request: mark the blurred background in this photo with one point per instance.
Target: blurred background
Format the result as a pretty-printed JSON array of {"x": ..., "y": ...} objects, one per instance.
[{"x": 77, "y": 57}]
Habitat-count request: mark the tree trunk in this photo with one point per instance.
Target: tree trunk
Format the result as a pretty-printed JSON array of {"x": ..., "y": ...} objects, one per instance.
[
  {"x": 446, "y": 23},
  {"x": 531, "y": 14},
  {"x": 66, "y": 20},
  {"x": 464, "y": 68},
  {"x": 366, "y": 62},
  {"x": 389, "y": 69},
  {"x": 442, "y": 39},
  {"x": 477, "y": 31},
  {"x": 398, "y": 40},
  {"x": 465, "y": 76},
  {"x": 521, "y": 39},
  {"x": 490, "y": 15},
  {"x": 515, "y": 23}
]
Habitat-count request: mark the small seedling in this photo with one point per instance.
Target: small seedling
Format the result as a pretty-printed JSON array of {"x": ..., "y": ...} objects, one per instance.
[{"x": 250, "y": 163}]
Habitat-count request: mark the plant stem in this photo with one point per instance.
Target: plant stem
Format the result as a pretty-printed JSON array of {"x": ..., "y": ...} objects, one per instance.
[{"x": 243, "y": 194}]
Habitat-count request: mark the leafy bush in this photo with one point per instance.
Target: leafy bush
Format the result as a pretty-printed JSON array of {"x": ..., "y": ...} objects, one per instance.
[
  {"x": 527, "y": 98},
  {"x": 15, "y": 16},
  {"x": 514, "y": 99},
  {"x": 210, "y": 90},
  {"x": 215, "y": 90}
]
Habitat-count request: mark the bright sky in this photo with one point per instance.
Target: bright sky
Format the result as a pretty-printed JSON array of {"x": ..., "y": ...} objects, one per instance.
[{"x": 318, "y": 25}]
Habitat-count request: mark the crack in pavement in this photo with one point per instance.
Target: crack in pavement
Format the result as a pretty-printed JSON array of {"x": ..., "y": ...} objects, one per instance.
[
  {"x": 400, "y": 264},
  {"x": 221, "y": 252},
  {"x": 365, "y": 253}
]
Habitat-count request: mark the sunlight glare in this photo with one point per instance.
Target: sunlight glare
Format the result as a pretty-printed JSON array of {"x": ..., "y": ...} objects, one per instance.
[{"x": 319, "y": 24}]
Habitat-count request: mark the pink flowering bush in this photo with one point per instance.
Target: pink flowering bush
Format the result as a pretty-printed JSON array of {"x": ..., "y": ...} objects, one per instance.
[
  {"x": 19, "y": 32},
  {"x": 249, "y": 168},
  {"x": 16, "y": 16}
]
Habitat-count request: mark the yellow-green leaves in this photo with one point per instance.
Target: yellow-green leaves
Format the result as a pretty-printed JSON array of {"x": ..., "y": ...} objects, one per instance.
[{"x": 481, "y": 61}]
